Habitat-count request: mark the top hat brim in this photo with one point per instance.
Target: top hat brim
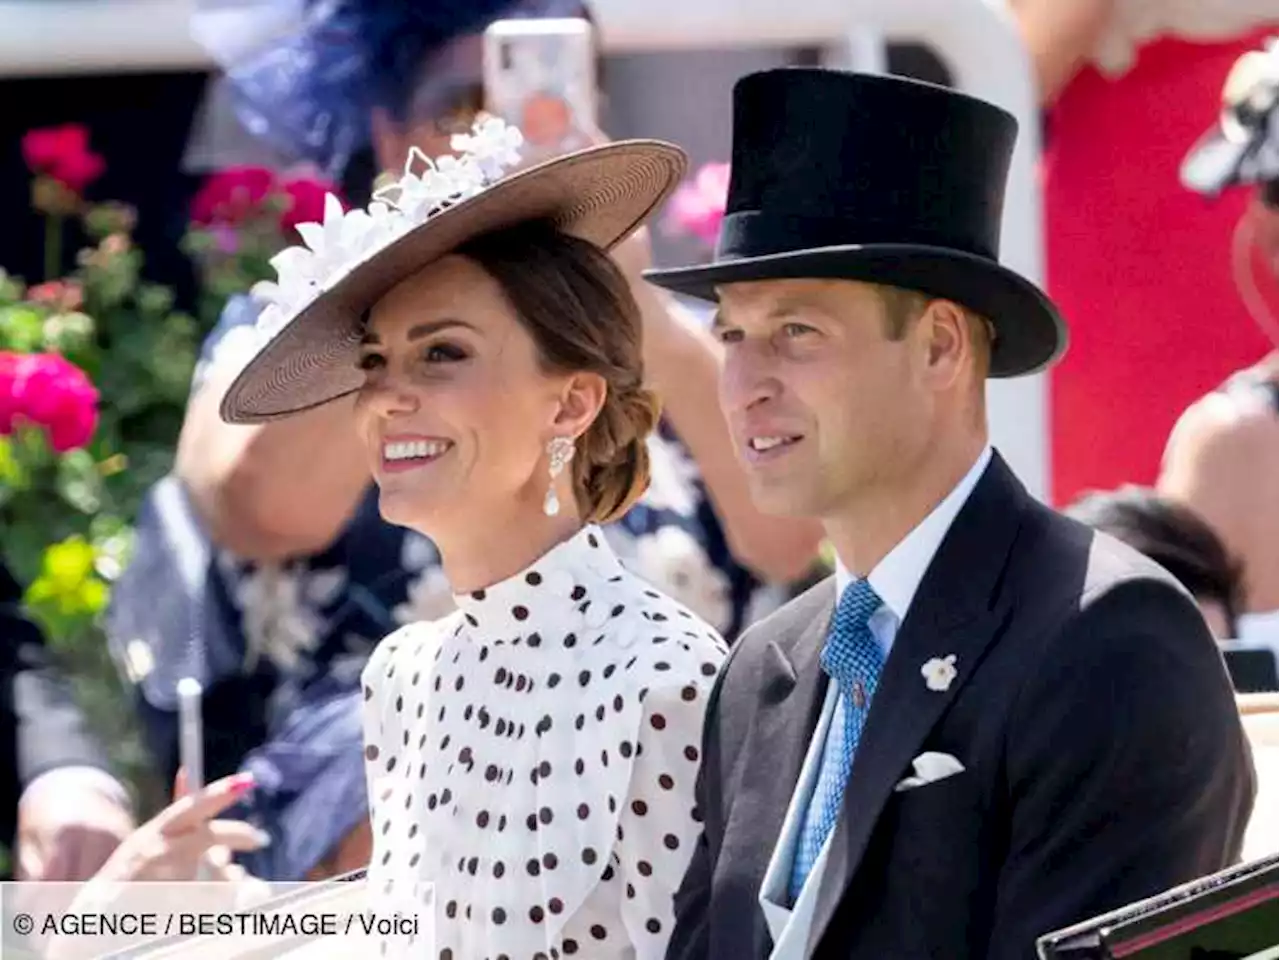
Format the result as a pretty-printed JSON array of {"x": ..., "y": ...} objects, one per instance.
[
  {"x": 601, "y": 194},
  {"x": 1030, "y": 334}
]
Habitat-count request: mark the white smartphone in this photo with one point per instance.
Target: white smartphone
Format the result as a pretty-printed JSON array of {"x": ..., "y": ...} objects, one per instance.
[
  {"x": 540, "y": 76},
  {"x": 191, "y": 732},
  {"x": 191, "y": 746}
]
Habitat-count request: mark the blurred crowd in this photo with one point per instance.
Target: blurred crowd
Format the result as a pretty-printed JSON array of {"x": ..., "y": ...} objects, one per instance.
[{"x": 263, "y": 569}]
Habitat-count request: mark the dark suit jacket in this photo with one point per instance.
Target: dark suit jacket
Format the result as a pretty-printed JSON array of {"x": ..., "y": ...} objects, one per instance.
[
  {"x": 41, "y": 728},
  {"x": 1104, "y": 758}
]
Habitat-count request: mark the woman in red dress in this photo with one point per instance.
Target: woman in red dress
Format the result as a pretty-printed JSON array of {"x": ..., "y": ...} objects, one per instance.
[{"x": 1142, "y": 268}]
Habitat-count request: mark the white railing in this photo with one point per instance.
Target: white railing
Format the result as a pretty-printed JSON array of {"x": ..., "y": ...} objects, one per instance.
[{"x": 976, "y": 39}]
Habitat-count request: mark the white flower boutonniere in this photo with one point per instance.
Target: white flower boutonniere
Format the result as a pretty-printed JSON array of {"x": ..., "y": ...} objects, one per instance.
[{"x": 939, "y": 672}]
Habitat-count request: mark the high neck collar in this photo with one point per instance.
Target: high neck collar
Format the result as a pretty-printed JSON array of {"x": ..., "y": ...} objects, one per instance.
[{"x": 562, "y": 577}]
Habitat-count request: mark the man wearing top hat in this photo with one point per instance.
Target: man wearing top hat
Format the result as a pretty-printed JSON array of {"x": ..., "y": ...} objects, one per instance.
[{"x": 991, "y": 722}]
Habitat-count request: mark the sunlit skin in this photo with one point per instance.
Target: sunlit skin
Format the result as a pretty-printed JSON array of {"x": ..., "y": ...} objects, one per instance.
[
  {"x": 448, "y": 367},
  {"x": 874, "y": 431}
]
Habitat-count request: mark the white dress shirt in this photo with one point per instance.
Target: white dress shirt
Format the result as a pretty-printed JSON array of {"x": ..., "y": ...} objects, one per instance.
[{"x": 895, "y": 580}]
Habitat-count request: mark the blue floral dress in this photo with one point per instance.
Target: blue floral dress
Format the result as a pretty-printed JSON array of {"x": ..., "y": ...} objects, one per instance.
[{"x": 187, "y": 608}]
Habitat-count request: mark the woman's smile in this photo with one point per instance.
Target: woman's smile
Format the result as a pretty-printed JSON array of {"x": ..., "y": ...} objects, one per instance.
[{"x": 407, "y": 451}]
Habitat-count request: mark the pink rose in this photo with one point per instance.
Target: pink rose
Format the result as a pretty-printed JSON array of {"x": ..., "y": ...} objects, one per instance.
[
  {"x": 49, "y": 391},
  {"x": 8, "y": 401},
  {"x": 306, "y": 202},
  {"x": 232, "y": 196},
  {"x": 59, "y": 294},
  {"x": 698, "y": 205}
]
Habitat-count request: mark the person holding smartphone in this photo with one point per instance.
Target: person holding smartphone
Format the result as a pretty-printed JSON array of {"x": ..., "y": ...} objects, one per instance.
[
  {"x": 1222, "y": 459},
  {"x": 297, "y": 575}
]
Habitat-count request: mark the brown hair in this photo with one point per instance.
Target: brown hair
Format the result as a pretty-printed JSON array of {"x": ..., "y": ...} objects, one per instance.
[
  {"x": 903, "y": 307},
  {"x": 578, "y": 308},
  {"x": 1171, "y": 535}
]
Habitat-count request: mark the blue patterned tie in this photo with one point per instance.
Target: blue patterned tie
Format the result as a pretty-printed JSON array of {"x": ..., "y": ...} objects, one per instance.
[{"x": 853, "y": 660}]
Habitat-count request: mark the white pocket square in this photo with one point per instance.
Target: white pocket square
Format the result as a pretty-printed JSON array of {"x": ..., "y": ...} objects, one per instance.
[{"x": 929, "y": 768}]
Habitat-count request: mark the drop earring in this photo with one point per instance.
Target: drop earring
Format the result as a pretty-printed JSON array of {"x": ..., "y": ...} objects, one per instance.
[{"x": 559, "y": 453}]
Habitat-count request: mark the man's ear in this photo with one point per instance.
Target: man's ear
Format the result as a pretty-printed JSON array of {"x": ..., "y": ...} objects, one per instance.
[{"x": 948, "y": 340}]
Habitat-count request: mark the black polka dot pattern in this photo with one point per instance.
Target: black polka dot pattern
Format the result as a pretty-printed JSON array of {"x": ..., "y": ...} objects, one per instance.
[{"x": 535, "y": 754}]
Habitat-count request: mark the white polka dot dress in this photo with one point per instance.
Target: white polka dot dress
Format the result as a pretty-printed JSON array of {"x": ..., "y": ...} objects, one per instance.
[{"x": 533, "y": 756}]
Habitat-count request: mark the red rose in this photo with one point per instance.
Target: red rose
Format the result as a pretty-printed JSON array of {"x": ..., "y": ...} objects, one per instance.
[
  {"x": 63, "y": 153},
  {"x": 232, "y": 196},
  {"x": 77, "y": 171},
  {"x": 306, "y": 202},
  {"x": 42, "y": 149}
]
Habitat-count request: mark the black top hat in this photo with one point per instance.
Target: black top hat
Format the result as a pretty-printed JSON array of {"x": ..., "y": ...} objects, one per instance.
[{"x": 879, "y": 179}]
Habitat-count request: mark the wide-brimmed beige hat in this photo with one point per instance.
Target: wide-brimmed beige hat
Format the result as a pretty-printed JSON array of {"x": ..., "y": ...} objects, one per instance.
[{"x": 312, "y": 327}]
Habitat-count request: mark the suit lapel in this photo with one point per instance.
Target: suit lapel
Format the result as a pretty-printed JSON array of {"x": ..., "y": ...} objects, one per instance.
[
  {"x": 791, "y": 691},
  {"x": 955, "y": 613}
]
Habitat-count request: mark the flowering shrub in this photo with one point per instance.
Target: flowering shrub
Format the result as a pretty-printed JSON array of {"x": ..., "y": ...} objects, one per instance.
[
  {"x": 240, "y": 218},
  {"x": 95, "y": 368}
]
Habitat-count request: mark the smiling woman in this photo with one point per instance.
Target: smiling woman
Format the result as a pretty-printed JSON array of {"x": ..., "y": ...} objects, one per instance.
[
  {"x": 476, "y": 364},
  {"x": 494, "y": 351}
]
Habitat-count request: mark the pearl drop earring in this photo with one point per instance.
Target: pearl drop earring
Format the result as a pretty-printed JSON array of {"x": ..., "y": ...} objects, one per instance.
[{"x": 559, "y": 453}]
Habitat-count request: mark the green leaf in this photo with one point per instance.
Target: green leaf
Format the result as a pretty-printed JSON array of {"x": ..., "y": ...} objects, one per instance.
[
  {"x": 12, "y": 289},
  {"x": 22, "y": 328},
  {"x": 31, "y": 446},
  {"x": 14, "y": 475},
  {"x": 113, "y": 541},
  {"x": 69, "y": 333},
  {"x": 25, "y": 540},
  {"x": 155, "y": 299},
  {"x": 104, "y": 219},
  {"x": 79, "y": 482}
]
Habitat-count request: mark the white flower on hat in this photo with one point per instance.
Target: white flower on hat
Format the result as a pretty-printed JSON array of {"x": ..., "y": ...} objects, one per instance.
[
  {"x": 492, "y": 143},
  {"x": 345, "y": 239},
  {"x": 483, "y": 157},
  {"x": 304, "y": 270},
  {"x": 416, "y": 196},
  {"x": 270, "y": 321},
  {"x": 301, "y": 269}
]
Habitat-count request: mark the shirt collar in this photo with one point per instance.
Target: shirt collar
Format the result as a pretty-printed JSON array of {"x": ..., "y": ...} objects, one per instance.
[
  {"x": 573, "y": 576},
  {"x": 897, "y": 577}
]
